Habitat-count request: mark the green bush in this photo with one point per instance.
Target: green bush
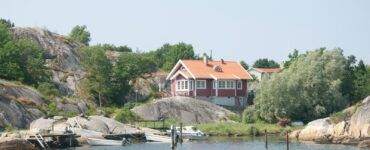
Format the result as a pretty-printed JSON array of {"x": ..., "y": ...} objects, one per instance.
[
  {"x": 249, "y": 115},
  {"x": 52, "y": 109},
  {"x": 125, "y": 115},
  {"x": 49, "y": 90}
]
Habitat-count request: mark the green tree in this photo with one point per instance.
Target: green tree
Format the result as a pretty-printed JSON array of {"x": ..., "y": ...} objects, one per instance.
[
  {"x": 308, "y": 89},
  {"x": 347, "y": 86},
  {"x": 21, "y": 59},
  {"x": 80, "y": 34},
  {"x": 4, "y": 34},
  {"x": 8, "y": 23},
  {"x": 244, "y": 64},
  {"x": 128, "y": 67},
  {"x": 265, "y": 63},
  {"x": 292, "y": 57},
  {"x": 168, "y": 55},
  {"x": 99, "y": 70},
  {"x": 361, "y": 82}
]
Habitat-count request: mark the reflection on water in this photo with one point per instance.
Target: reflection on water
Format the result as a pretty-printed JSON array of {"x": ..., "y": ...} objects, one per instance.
[{"x": 228, "y": 143}]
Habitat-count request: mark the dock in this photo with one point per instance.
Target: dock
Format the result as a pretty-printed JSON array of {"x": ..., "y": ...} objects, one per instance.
[{"x": 45, "y": 141}]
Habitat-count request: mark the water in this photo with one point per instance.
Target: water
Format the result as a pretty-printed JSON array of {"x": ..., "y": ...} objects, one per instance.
[{"x": 227, "y": 143}]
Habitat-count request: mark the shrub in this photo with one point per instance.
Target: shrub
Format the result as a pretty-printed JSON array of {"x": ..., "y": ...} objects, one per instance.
[
  {"x": 49, "y": 90},
  {"x": 249, "y": 115},
  {"x": 125, "y": 115}
]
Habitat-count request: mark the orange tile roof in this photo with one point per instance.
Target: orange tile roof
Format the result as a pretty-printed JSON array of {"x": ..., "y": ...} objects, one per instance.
[
  {"x": 230, "y": 69},
  {"x": 268, "y": 70}
]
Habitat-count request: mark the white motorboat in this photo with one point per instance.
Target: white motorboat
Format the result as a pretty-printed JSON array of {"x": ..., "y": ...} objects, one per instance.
[
  {"x": 105, "y": 142},
  {"x": 157, "y": 138},
  {"x": 189, "y": 132}
]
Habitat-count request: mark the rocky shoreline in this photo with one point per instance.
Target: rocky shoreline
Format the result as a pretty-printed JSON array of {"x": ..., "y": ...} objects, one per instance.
[
  {"x": 354, "y": 130},
  {"x": 85, "y": 127}
]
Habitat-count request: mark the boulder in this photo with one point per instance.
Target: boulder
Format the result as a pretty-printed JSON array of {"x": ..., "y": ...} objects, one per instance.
[
  {"x": 360, "y": 120},
  {"x": 41, "y": 124},
  {"x": 317, "y": 130},
  {"x": 184, "y": 109}
]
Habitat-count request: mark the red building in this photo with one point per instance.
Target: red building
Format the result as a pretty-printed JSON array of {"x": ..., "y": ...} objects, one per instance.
[{"x": 220, "y": 82}]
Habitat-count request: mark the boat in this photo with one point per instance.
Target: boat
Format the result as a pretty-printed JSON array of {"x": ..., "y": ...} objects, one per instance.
[
  {"x": 105, "y": 142},
  {"x": 157, "y": 138},
  {"x": 189, "y": 132}
]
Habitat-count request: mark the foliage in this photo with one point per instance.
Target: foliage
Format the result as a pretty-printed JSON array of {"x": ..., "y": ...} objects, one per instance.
[
  {"x": 168, "y": 55},
  {"x": 111, "y": 47},
  {"x": 292, "y": 57},
  {"x": 48, "y": 89},
  {"x": 21, "y": 59},
  {"x": 362, "y": 82},
  {"x": 125, "y": 115},
  {"x": 304, "y": 93},
  {"x": 80, "y": 34},
  {"x": 8, "y": 23},
  {"x": 52, "y": 109},
  {"x": 244, "y": 64},
  {"x": 236, "y": 118},
  {"x": 240, "y": 129},
  {"x": 99, "y": 68},
  {"x": 265, "y": 63},
  {"x": 249, "y": 115}
]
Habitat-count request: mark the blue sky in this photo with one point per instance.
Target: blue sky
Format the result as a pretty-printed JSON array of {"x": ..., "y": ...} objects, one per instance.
[{"x": 234, "y": 30}]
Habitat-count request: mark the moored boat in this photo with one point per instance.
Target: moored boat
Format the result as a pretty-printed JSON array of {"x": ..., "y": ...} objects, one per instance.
[{"x": 105, "y": 142}]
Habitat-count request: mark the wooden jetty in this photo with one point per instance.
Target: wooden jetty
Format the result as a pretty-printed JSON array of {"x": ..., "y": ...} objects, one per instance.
[{"x": 45, "y": 141}]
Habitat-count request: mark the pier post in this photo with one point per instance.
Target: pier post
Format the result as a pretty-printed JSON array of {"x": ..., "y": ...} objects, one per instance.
[
  {"x": 287, "y": 140},
  {"x": 180, "y": 133},
  {"x": 266, "y": 139}
]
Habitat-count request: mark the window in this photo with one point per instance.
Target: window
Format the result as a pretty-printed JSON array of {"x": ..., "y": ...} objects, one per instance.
[
  {"x": 191, "y": 85},
  {"x": 221, "y": 84},
  {"x": 225, "y": 84},
  {"x": 239, "y": 84},
  {"x": 230, "y": 85},
  {"x": 201, "y": 84},
  {"x": 182, "y": 85}
]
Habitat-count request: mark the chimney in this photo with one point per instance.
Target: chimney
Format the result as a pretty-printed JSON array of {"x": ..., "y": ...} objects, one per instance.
[
  {"x": 222, "y": 61},
  {"x": 205, "y": 58}
]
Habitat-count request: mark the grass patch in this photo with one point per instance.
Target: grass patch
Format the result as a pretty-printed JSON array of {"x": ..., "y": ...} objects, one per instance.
[{"x": 240, "y": 129}]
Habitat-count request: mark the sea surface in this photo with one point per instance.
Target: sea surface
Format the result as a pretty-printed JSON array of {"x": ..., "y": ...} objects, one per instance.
[{"x": 228, "y": 143}]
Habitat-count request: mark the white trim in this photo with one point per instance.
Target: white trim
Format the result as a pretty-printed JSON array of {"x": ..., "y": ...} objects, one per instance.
[
  {"x": 187, "y": 69},
  {"x": 182, "y": 89},
  {"x": 177, "y": 73},
  {"x": 225, "y": 88},
  {"x": 205, "y": 84},
  {"x": 173, "y": 70},
  {"x": 236, "y": 76}
]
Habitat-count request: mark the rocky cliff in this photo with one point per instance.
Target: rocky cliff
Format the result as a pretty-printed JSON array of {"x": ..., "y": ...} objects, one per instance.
[
  {"x": 184, "y": 109},
  {"x": 352, "y": 130},
  {"x": 18, "y": 105},
  {"x": 61, "y": 54}
]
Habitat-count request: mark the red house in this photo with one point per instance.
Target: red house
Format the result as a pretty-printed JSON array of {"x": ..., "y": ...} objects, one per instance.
[{"x": 220, "y": 82}]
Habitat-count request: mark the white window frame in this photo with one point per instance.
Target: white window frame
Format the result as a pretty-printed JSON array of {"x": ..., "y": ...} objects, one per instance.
[
  {"x": 241, "y": 84},
  {"x": 182, "y": 85},
  {"x": 205, "y": 84},
  {"x": 191, "y": 84},
  {"x": 228, "y": 84}
]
